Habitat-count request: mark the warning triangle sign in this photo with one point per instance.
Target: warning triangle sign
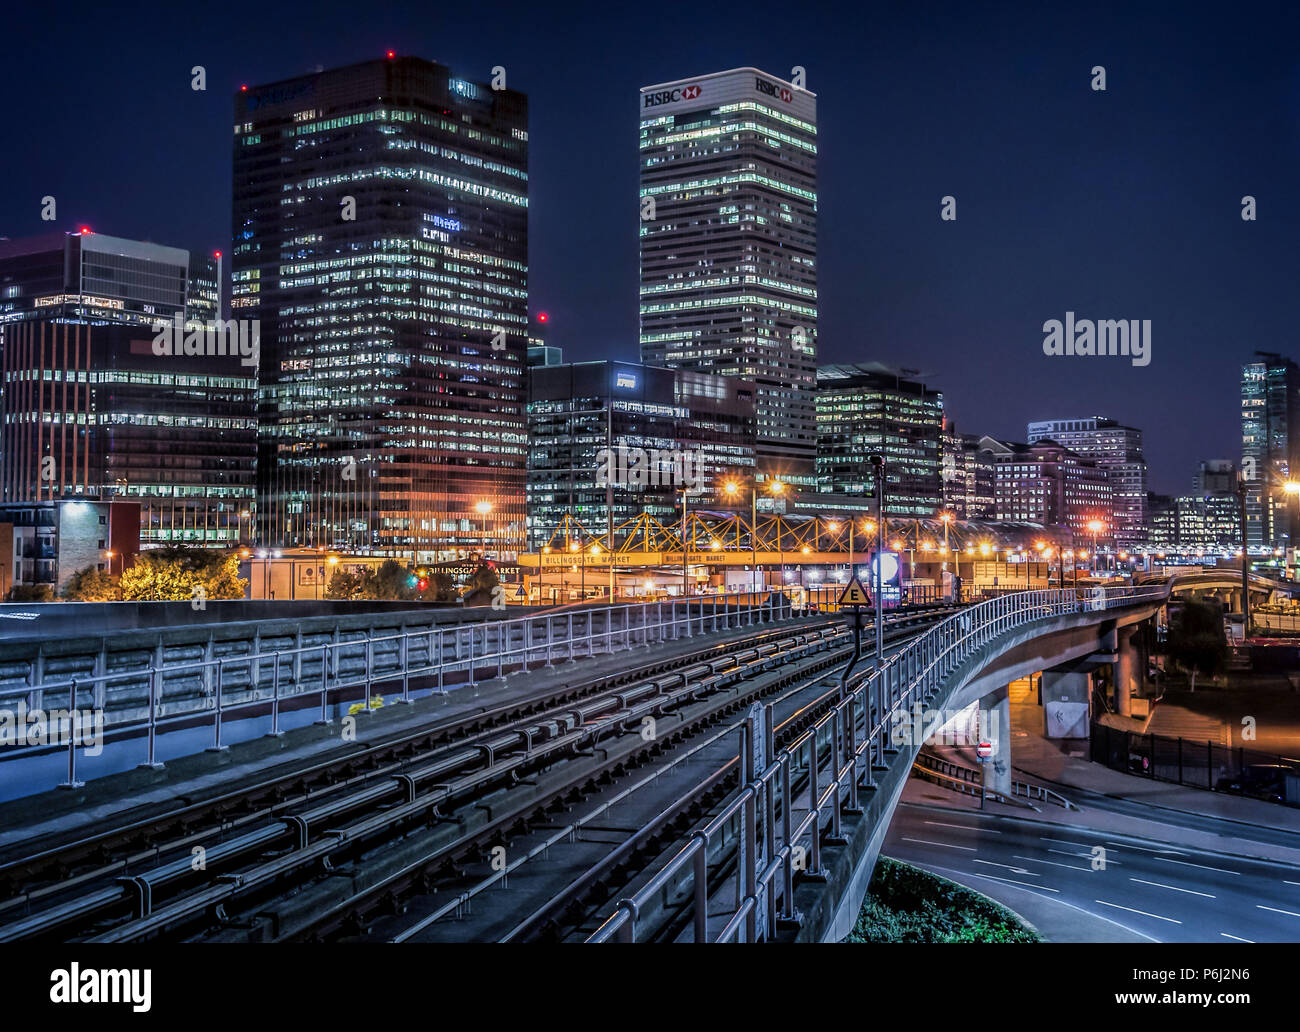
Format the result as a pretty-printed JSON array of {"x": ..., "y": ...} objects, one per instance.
[{"x": 855, "y": 594}]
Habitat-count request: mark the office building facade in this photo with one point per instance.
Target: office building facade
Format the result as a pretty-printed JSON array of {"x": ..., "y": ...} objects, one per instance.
[
  {"x": 381, "y": 239},
  {"x": 728, "y": 246},
  {"x": 91, "y": 411},
  {"x": 1117, "y": 450},
  {"x": 1270, "y": 449},
  {"x": 1047, "y": 484},
  {"x": 609, "y": 441},
  {"x": 864, "y": 410}
]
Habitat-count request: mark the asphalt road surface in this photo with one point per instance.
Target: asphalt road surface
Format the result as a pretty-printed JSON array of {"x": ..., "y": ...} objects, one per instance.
[{"x": 1163, "y": 892}]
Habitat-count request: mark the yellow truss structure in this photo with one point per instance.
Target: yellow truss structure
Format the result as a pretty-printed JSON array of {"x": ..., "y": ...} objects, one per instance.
[{"x": 724, "y": 539}]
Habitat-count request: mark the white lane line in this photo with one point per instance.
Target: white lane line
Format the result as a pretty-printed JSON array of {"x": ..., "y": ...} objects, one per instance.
[
  {"x": 1188, "y": 863},
  {"x": 964, "y": 827},
  {"x": 1035, "y": 890},
  {"x": 1062, "y": 852},
  {"x": 1235, "y": 938},
  {"x": 948, "y": 845},
  {"x": 1285, "y": 882},
  {"x": 1145, "y": 849},
  {"x": 1062, "y": 842},
  {"x": 1013, "y": 870},
  {"x": 1175, "y": 888},
  {"x": 1009, "y": 881},
  {"x": 1132, "y": 911},
  {"x": 1289, "y": 913},
  {"x": 1053, "y": 863}
]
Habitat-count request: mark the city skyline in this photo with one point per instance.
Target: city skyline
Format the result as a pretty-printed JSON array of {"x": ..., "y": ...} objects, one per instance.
[{"x": 1100, "y": 227}]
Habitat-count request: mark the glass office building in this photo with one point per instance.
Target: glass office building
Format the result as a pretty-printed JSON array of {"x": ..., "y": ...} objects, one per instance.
[
  {"x": 381, "y": 238},
  {"x": 866, "y": 409},
  {"x": 1270, "y": 448},
  {"x": 728, "y": 246},
  {"x": 578, "y": 410}
]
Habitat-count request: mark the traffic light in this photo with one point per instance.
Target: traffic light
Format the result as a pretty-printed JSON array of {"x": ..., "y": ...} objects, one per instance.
[{"x": 423, "y": 584}]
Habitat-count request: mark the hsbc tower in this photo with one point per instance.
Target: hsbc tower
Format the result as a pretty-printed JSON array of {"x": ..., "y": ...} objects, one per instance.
[{"x": 728, "y": 232}]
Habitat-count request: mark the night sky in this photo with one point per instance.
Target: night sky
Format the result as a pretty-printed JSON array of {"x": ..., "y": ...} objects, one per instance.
[{"x": 1117, "y": 205}]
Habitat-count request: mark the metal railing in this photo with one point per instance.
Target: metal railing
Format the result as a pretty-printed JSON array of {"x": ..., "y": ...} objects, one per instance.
[
  {"x": 961, "y": 778},
  {"x": 779, "y": 816},
  {"x": 232, "y": 687}
]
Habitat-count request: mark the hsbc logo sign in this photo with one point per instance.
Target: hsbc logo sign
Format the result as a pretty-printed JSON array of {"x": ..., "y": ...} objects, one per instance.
[
  {"x": 771, "y": 89},
  {"x": 691, "y": 92}
]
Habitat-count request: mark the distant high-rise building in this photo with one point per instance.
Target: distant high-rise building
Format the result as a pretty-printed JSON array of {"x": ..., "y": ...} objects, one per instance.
[
  {"x": 1117, "y": 450},
  {"x": 702, "y": 427},
  {"x": 864, "y": 410},
  {"x": 95, "y": 278},
  {"x": 1046, "y": 483},
  {"x": 969, "y": 476},
  {"x": 1270, "y": 448},
  {"x": 729, "y": 246},
  {"x": 381, "y": 239},
  {"x": 91, "y": 410},
  {"x": 1215, "y": 476}
]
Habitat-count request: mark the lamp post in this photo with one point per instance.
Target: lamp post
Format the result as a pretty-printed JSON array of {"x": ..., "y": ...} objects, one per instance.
[
  {"x": 541, "y": 573},
  {"x": 776, "y": 488},
  {"x": 483, "y": 508},
  {"x": 731, "y": 489},
  {"x": 878, "y": 468},
  {"x": 1096, "y": 526}
]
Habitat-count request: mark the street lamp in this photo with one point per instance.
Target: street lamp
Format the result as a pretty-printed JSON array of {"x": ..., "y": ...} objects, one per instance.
[
  {"x": 1096, "y": 526},
  {"x": 731, "y": 489},
  {"x": 483, "y": 508},
  {"x": 776, "y": 488}
]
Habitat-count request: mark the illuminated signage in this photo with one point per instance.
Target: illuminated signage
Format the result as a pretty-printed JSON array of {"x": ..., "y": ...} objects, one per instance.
[
  {"x": 672, "y": 96},
  {"x": 278, "y": 96},
  {"x": 771, "y": 89},
  {"x": 444, "y": 223},
  {"x": 83, "y": 299},
  {"x": 464, "y": 89},
  {"x": 626, "y": 381}
]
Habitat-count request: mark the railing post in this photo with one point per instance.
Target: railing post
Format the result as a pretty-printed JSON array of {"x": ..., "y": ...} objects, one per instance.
[
  {"x": 152, "y": 762},
  {"x": 72, "y": 781},
  {"x": 275, "y": 700},
  {"x": 216, "y": 721},
  {"x": 324, "y": 684}
]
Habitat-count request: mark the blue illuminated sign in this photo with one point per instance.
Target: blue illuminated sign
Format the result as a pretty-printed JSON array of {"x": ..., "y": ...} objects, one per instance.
[{"x": 626, "y": 381}]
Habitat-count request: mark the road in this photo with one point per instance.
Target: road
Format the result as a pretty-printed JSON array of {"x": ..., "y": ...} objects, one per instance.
[{"x": 1160, "y": 891}]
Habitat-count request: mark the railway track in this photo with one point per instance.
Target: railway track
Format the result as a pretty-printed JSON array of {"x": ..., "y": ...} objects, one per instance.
[{"x": 337, "y": 848}]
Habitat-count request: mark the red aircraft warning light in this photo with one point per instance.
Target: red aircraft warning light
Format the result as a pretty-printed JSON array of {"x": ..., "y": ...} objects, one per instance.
[{"x": 542, "y": 317}]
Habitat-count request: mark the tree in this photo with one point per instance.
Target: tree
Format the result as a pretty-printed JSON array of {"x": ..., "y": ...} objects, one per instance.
[
  {"x": 92, "y": 585},
  {"x": 180, "y": 574},
  {"x": 31, "y": 593},
  {"x": 483, "y": 583},
  {"x": 1196, "y": 640}
]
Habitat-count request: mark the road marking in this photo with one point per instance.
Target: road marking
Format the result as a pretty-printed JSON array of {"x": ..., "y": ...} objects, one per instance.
[
  {"x": 1289, "y": 913},
  {"x": 1235, "y": 938},
  {"x": 1009, "y": 881},
  {"x": 949, "y": 845},
  {"x": 1062, "y": 842},
  {"x": 1036, "y": 860},
  {"x": 1013, "y": 870},
  {"x": 1285, "y": 882},
  {"x": 1146, "y": 849},
  {"x": 1062, "y": 852},
  {"x": 964, "y": 827},
  {"x": 1132, "y": 911},
  {"x": 1175, "y": 888},
  {"x": 1188, "y": 863}
]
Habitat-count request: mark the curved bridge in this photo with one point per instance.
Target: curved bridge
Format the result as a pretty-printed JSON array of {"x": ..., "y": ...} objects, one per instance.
[{"x": 808, "y": 824}]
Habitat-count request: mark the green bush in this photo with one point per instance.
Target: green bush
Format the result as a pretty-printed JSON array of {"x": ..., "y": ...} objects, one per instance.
[{"x": 906, "y": 904}]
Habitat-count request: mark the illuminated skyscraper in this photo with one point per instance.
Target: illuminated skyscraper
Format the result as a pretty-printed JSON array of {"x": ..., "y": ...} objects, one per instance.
[
  {"x": 381, "y": 238},
  {"x": 1270, "y": 448},
  {"x": 729, "y": 246}
]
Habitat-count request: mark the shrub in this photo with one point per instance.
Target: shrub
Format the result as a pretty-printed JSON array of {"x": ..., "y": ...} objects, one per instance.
[{"x": 906, "y": 904}]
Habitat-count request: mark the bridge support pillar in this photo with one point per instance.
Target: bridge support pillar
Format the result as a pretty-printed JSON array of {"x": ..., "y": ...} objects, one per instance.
[
  {"x": 1127, "y": 670},
  {"x": 1065, "y": 702},
  {"x": 995, "y": 727}
]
